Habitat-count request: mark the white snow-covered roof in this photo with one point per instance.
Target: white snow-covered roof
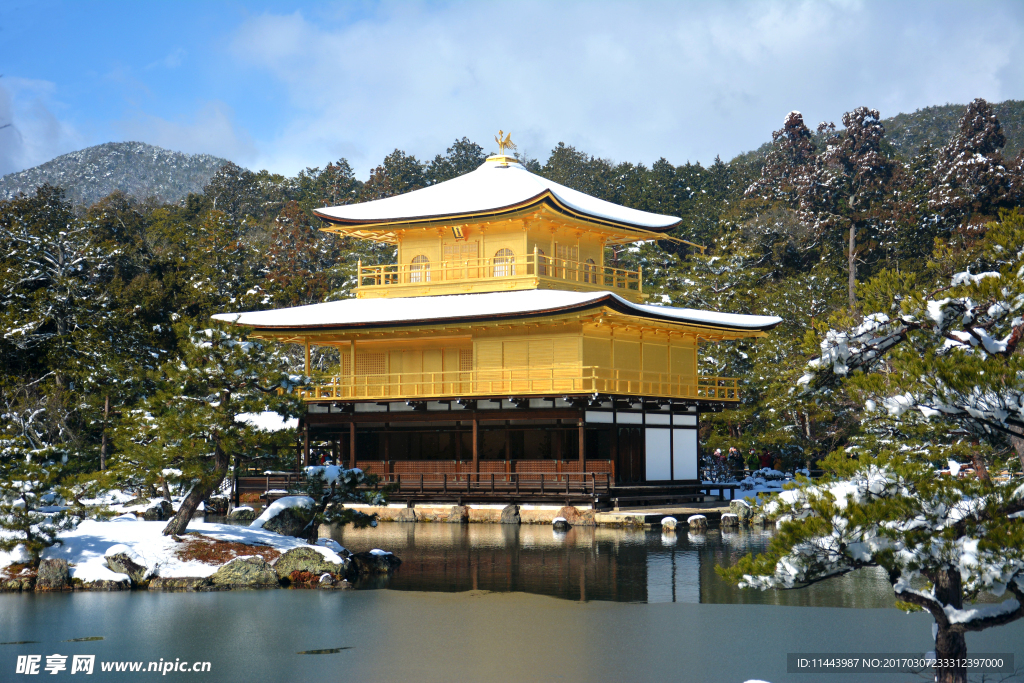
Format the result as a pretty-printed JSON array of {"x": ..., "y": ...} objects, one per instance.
[
  {"x": 494, "y": 187},
  {"x": 436, "y": 309}
]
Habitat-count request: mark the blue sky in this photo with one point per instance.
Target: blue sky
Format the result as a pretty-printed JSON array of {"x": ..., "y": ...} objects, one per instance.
[{"x": 285, "y": 85}]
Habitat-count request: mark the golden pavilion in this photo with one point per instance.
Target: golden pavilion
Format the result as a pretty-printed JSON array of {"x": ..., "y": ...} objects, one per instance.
[{"x": 501, "y": 358}]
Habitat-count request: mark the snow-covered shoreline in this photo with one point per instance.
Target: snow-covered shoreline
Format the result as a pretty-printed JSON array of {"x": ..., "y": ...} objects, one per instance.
[{"x": 86, "y": 548}]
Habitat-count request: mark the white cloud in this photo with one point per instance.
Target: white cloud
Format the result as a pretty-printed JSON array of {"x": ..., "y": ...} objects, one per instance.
[
  {"x": 211, "y": 130},
  {"x": 36, "y": 134},
  {"x": 628, "y": 81}
]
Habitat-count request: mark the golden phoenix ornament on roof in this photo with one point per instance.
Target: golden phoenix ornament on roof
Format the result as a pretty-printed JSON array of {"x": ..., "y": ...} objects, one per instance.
[{"x": 505, "y": 142}]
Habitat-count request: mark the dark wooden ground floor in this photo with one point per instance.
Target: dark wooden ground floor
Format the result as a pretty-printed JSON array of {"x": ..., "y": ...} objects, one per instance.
[
  {"x": 602, "y": 450},
  {"x": 628, "y": 441}
]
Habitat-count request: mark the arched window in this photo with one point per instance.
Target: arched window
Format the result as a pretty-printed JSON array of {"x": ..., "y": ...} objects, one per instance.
[
  {"x": 504, "y": 263},
  {"x": 542, "y": 263},
  {"x": 419, "y": 271},
  {"x": 590, "y": 271}
]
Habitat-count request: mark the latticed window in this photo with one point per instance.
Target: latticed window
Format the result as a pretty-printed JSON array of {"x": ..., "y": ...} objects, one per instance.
[
  {"x": 504, "y": 263},
  {"x": 460, "y": 260},
  {"x": 566, "y": 256},
  {"x": 419, "y": 271},
  {"x": 465, "y": 360},
  {"x": 590, "y": 271},
  {"x": 371, "y": 363}
]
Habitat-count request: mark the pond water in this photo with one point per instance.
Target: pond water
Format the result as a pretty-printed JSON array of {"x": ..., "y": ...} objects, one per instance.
[
  {"x": 491, "y": 603},
  {"x": 592, "y": 563}
]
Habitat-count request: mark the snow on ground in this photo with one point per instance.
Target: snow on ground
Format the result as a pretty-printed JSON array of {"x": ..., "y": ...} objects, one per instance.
[
  {"x": 759, "y": 483},
  {"x": 86, "y": 547}
]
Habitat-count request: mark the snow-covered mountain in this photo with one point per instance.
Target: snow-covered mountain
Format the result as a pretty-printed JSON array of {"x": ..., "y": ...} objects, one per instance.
[{"x": 135, "y": 168}]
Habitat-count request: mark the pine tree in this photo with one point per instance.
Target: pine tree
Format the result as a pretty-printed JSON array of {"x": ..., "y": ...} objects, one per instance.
[
  {"x": 844, "y": 188},
  {"x": 191, "y": 421},
  {"x": 970, "y": 174},
  {"x": 919, "y": 364},
  {"x": 400, "y": 173},
  {"x": 331, "y": 488},
  {"x": 462, "y": 157}
]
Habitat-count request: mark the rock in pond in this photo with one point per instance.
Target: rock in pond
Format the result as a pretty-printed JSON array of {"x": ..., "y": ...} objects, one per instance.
[
  {"x": 161, "y": 512},
  {"x": 106, "y": 585},
  {"x": 123, "y": 560},
  {"x": 742, "y": 510},
  {"x": 246, "y": 572},
  {"x": 19, "y": 583},
  {"x": 669, "y": 523},
  {"x": 729, "y": 520},
  {"x": 759, "y": 520},
  {"x": 576, "y": 517},
  {"x": 560, "y": 524},
  {"x": 306, "y": 559},
  {"x": 242, "y": 513},
  {"x": 697, "y": 522},
  {"x": 459, "y": 514},
  {"x": 53, "y": 575},
  {"x": 510, "y": 515},
  {"x": 179, "y": 583},
  {"x": 406, "y": 515},
  {"x": 375, "y": 561}
]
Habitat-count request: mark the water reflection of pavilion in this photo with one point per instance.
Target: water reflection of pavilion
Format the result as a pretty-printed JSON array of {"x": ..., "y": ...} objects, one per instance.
[{"x": 585, "y": 563}]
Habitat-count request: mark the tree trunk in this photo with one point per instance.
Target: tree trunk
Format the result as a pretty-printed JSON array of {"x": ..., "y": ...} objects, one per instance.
[
  {"x": 1018, "y": 445},
  {"x": 200, "y": 492},
  {"x": 852, "y": 262},
  {"x": 948, "y": 644},
  {"x": 106, "y": 420}
]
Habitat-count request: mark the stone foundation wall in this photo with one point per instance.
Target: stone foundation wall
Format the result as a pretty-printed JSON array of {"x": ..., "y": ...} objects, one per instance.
[{"x": 529, "y": 514}]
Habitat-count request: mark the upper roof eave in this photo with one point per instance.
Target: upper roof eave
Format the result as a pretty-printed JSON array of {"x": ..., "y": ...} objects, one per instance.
[
  {"x": 607, "y": 300},
  {"x": 545, "y": 197}
]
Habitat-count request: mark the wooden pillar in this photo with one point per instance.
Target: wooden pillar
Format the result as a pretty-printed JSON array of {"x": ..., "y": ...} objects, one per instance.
[
  {"x": 305, "y": 445},
  {"x": 583, "y": 448},
  {"x": 476, "y": 445},
  {"x": 308, "y": 365},
  {"x": 615, "y": 448},
  {"x": 352, "y": 365},
  {"x": 351, "y": 445}
]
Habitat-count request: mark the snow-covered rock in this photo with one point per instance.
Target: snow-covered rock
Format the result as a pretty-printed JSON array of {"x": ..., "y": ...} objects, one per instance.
[
  {"x": 287, "y": 516},
  {"x": 697, "y": 522}
]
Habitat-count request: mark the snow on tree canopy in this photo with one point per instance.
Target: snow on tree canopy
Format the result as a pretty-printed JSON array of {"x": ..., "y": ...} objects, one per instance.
[{"x": 267, "y": 421}]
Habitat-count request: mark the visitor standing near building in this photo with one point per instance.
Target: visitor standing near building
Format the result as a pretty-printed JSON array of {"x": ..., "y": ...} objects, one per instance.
[
  {"x": 735, "y": 460},
  {"x": 766, "y": 459},
  {"x": 752, "y": 460}
]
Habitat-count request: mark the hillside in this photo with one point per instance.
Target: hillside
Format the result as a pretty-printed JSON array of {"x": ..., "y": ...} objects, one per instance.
[
  {"x": 935, "y": 125},
  {"x": 135, "y": 168},
  {"x": 907, "y": 132}
]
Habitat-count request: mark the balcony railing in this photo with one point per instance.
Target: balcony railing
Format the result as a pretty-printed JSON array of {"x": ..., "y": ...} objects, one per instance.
[
  {"x": 537, "y": 381},
  {"x": 466, "y": 271}
]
